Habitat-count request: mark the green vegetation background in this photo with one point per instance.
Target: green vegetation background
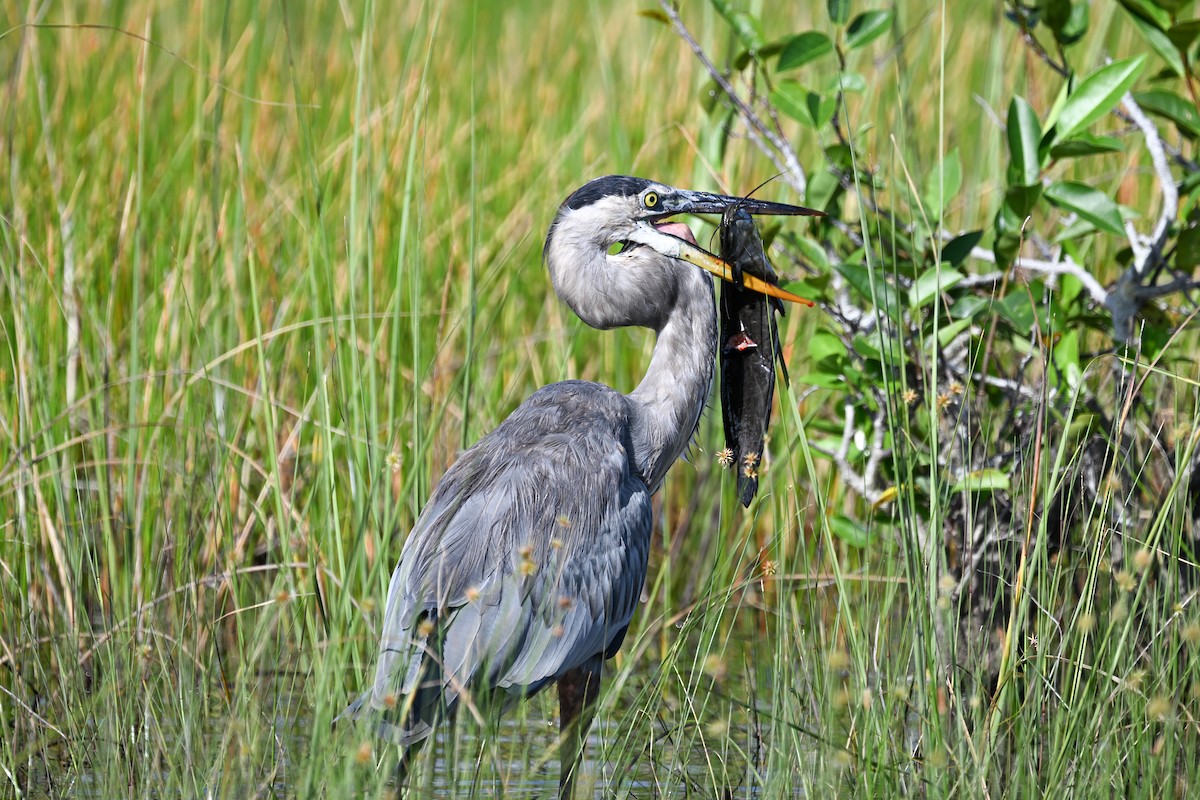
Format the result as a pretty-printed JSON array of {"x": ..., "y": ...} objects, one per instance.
[{"x": 265, "y": 268}]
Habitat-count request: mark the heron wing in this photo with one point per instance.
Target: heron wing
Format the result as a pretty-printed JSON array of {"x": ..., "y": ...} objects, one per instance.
[{"x": 528, "y": 559}]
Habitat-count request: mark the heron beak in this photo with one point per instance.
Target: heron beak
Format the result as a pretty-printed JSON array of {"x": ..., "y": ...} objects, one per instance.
[
  {"x": 676, "y": 247},
  {"x": 693, "y": 202},
  {"x": 710, "y": 263},
  {"x": 708, "y": 203}
]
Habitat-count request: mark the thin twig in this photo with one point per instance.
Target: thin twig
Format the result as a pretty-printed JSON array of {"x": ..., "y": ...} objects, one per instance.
[
  {"x": 1180, "y": 284},
  {"x": 33, "y": 713},
  {"x": 793, "y": 173}
]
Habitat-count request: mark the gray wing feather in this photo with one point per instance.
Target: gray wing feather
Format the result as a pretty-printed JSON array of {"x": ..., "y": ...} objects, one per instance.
[
  {"x": 528, "y": 560},
  {"x": 573, "y": 631}
]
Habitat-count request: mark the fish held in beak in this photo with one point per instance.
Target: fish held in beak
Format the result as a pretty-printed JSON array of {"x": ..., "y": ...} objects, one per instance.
[{"x": 749, "y": 347}]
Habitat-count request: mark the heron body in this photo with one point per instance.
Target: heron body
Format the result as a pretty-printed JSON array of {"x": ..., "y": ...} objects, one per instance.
[
  {"x": 527, "y": 563},
  {"x": 522, "y": 582}
]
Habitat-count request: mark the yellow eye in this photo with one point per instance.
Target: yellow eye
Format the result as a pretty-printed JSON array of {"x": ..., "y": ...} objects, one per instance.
[{"x": 650, "y": 200}]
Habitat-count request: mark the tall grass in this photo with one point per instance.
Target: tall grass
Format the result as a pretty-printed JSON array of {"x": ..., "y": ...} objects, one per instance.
[{"x": 266, "y": 268}]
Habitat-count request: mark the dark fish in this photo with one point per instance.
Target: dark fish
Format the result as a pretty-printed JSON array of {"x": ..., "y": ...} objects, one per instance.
[{"x": 749, "y": 349}]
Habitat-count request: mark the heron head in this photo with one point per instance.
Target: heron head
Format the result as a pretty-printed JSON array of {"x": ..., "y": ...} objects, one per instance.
[{"x": 633, "y": 213}]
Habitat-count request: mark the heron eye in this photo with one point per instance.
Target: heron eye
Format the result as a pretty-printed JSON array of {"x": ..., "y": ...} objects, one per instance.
[{"x": 650, "y": 200}]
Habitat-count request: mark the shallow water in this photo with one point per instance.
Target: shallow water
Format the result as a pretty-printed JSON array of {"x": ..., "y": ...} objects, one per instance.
[
  {"x": 652, "y": 738},
  {"x": 517, "y": 759},
  {"x": 522, "y": 765}
]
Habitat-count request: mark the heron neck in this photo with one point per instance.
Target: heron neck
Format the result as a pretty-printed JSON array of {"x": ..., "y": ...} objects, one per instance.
[{"x": 669, "y": 400}]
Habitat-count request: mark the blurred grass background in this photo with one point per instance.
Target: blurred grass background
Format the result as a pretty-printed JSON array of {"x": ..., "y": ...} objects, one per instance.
[{"x": 265, "y": 268}]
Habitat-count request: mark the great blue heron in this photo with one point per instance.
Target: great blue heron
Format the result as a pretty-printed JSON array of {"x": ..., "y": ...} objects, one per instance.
[{"x": 526, "y": 564}]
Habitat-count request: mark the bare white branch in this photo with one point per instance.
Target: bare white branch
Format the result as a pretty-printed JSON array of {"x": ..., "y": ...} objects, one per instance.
[
  {"x": 857, "y": 483},
  {"x": 879, "y": 425},
  {"x": 1166, "y": 182},
  {"x": 1066, "y": 266}
]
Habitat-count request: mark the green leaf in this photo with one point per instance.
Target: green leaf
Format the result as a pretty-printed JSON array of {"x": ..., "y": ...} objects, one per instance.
[
  {"x": 1077, "y": 24},
  {"x": 1159, "y": 42},
  {"x": 1096, "y": 96},
  {"x": 850, "y": 82},
  {"x": 825, "y": 380},
  {"x": 959, "y": 248},
  {"x": 840, "y": 156},
  {"x": 821, "y": 189},
  {"x": 745, "y": 25},
  {"x": 1020, "y": 200},
  {"x": 1017, "y": 310},
  {"x": 839, "y": 11},
  {"x": 804, "y": 48},
  {"x": 1168, "y": 104},
  {"x": 812, "y": 252},
  {"x": 1171, "y": 6},
  {"x": 942, "y": 183},
  {"x": 983, "y": 480},
  {"x": 808, "y": 288},
  {"x": 1008, "y": 221},
  {"x": 1056, "y": 14},
  {"x": 1076, "y": 230},
  {"x": 656, "y": 14},
  {"x": 1148, "y": 11},
  {"x": 1005, "y": 246},
  {"x": 869, "y": 348},
  {"x": 1060, "y": 100},
  {"x": 1009, "y": 234},
  {"x": 849, "y": 531},
  {"x": 807, "y": 108},
  {"x": 1024, "y": 135},
  {"x": 821, "y": 108},
  {"x": 761, "y": 54},
  {"x": 896, "y": 240},
  {"x": 867, "y": 27},
  {"x": 968, "y": 305},
  {"x": 710, "y": 96},
  {"x": 1182, "y": 34},
  {"x": 1069, "y": 288},
  {"x": 932, "y": 283},
  {"x": 1187, "y": 250},
  {"x": 823, "y": 345},
  {"x": 1066, "y": 357},
  {"x": 1090, "y": 204},
  {"x": 789, "y": 97},
  {"x": 1086, "y": 144},
  {"x": 947, "y": 333},
  {"x": 878, "y": 291}
]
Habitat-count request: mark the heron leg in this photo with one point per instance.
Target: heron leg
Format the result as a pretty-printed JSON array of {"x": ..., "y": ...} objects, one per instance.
[
  {"x": 400, "y": 774},
  {"x": 577, "y": 693}
]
